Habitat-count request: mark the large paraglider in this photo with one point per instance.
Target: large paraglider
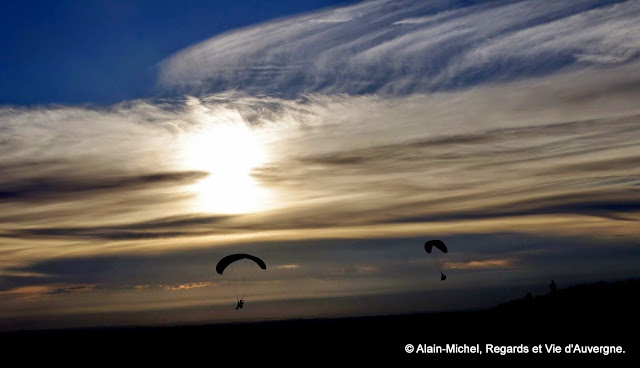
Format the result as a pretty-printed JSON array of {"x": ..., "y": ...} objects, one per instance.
[
  {"x": 230, "y": 259},
  {"x": 438, "y": 244},
  {"x": 226, "y": 261}
]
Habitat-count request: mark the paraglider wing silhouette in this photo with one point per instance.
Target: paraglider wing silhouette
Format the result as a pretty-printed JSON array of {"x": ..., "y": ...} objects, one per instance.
[
  {"x": 226, "y": 261},
  {"x": 438, "y": 244},
  {"x": 428, "y": 246}
]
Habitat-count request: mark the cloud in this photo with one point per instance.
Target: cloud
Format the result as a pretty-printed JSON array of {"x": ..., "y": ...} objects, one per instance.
[
  {"x": 37, "y": 290},
  {"x": 499, "y": 263},
  {"x": 172, "y": 227},
  {"x": 561, "y": 146},
  {"x": 367, "y": 269},
  {"x": 43, "y": 188},
  {"x": 26, "y": 290},
  {"x": 191, "y": 285},
  {"x": 287, "y": 267},
  {"x": 403, "y": 47},
  {"x": 70, "y": 289}
]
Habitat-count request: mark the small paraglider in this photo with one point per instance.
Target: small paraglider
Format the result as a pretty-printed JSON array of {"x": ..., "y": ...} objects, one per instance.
[
  {"x": 240, "y": 304},
  {"x": 230, "y": 259},
  {"x": 438, "y": 244}
]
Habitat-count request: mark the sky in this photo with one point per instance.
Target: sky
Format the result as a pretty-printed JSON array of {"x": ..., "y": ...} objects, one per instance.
[
  {"x": 107, "y": 51},
  {"x": 141, "y": 142}
]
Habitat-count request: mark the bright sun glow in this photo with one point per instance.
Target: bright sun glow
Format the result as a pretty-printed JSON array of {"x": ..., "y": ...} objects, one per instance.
[{"x": 228, "y": 150}]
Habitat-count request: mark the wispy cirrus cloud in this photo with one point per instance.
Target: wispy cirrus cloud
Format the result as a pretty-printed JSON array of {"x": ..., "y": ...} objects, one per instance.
[{"x": 400, "y": 47}]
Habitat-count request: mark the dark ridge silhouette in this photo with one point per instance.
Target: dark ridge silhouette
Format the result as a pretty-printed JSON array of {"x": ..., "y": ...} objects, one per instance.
[
  {"x": 600, "y": 297},
  {"x": 602, "y": 314}
]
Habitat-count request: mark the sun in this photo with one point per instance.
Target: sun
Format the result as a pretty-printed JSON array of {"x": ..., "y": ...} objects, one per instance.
[{"x": 228, "y": 149}]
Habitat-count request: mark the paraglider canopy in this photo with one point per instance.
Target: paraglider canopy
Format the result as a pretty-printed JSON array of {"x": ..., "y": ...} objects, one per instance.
[
  {"x": 438, "y": 244},
  {"x": 226, "y": 261},
  {"x": 428, "y": 246}
]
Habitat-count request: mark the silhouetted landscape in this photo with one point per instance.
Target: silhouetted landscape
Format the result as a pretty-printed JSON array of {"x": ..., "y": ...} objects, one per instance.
[{"x": 599, "y": 314}]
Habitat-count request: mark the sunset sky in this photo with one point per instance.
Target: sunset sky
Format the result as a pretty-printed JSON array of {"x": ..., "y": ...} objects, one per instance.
[{"x": 141, "y": 142}]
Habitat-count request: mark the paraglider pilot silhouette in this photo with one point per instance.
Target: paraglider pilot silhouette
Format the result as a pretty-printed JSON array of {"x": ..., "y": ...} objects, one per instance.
[
  {"x": 226, "y": 261},
  {"x": 438, "y": 244}
]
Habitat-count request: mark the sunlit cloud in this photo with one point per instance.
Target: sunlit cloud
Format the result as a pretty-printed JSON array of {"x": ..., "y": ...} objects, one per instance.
[
  {"x": 227, "y": 148},
  {"x": 332, "y": 166},
  {"x": 481, "y": 264},
  {"x": 27, "y": 290},
  {"x": 287, "y": 267},
  {"x": 191, "y": 285},
  {"x": 34, "y": 291},
  {"x": 14, "y": 273}
]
